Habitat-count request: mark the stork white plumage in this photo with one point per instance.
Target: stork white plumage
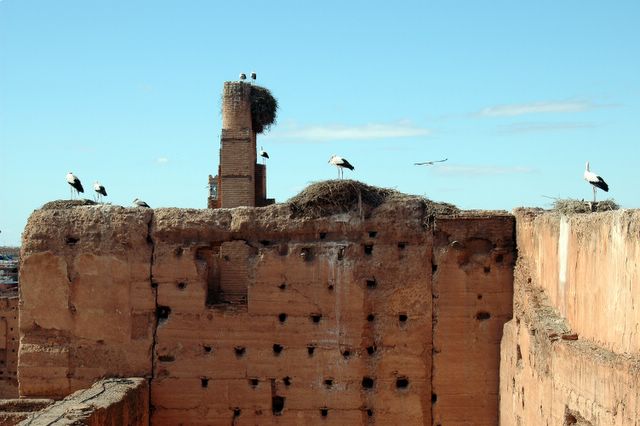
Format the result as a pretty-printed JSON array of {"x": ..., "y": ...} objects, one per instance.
[
  {"x": 341, "y": 164},
  {"x": 264, "y": 155},
  {"x": 254, "y": 76},
  {"x": 595, "y": 181},
  {"x": 243, "y": 77},
  {"x": 139, "y": 203},
  {"x": 75, "y": 184},
  {"x": 100, "y": 190},
  {"x": 430, "y": 163}
]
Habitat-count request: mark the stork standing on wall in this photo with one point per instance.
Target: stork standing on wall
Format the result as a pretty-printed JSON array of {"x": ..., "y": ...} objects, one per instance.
[
  {"x": 264, "y": 155},
  {"x": 341, "y": 164},
  {"x": 243, "y": 77},
  {"x": 100, "y": 190},
  {"x": 75, "y": 184},
  {"x": 253, "y": 76},
  {"x": 595, "y": 180}
]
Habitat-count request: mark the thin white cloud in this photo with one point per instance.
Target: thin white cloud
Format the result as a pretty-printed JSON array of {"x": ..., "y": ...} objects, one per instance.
[
  {"x": 162, "y": 160},
  {"x": 512, "y": 110},
  {"x": 470, "y": 170},
  {"x": 545, "y": 127},
  {"x": 331, "y": 132}
]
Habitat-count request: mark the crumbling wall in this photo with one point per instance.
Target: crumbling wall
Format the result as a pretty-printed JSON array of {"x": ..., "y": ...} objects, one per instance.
[
  {"x": 251, "y": 315},
  {"x": 570, "y": 354},
  {"x": 9, "y": 339},
  {"x": 87, "y": 309}
]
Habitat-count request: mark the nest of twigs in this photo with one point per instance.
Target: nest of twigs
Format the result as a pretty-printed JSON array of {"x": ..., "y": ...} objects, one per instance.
[
  {"x": 333, "y": 197},
  {"x": 570, "y": 206},
  {"x": 67, "y": 204},
  {"x": 264, "y": 108}
]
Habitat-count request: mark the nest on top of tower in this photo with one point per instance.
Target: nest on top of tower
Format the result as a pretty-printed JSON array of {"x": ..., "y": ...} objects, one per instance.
[
  {"x": 327, "y": 198},
  {"x": 264, "y": 108},
  {"x": 569, "y": 206}
]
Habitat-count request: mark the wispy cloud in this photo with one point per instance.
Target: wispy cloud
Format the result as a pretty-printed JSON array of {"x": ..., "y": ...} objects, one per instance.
[
  {"x": 331, "y": 132},
  {"x": 162, "y": 160},
  {"x": 545, "y": 127},
  {"x": 512, "y": 110},
  {"x": 471, "y": 170}
]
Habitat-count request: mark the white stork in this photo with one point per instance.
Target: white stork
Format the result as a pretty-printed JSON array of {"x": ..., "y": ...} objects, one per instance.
[
  {"x": 75, "y": 184},
  {"x": 253, "y": 76},
  {"x": 595, "y": 180},
  {"x": 341, "y": 164},
  {"x": 243, "y": 77},
  {"x": 263, "y": 154},
  {"x": 139, "y": 203},
  {"x": 430, "y": 163},
  {"x": 100, "y": 190}
]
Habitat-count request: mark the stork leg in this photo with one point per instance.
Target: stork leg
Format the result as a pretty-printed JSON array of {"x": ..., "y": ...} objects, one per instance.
[{"x": 594, "y": 194}]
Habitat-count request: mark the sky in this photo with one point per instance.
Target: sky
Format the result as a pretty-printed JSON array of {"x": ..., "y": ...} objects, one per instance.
[{"x": 516, "y": 95}]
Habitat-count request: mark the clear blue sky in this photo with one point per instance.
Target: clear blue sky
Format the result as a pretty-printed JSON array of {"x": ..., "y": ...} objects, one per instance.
[{"x": 518, "y": 95}]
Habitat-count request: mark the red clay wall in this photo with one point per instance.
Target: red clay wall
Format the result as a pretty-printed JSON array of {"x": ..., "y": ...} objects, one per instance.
[
  {"x": 264, "y": 318},
  {"x": 570, "y": 356},
  {"x": 9, "y": 339}
]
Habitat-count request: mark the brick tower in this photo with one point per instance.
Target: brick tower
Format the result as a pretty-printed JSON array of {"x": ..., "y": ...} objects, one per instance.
[{"x": 240, "y": 181}]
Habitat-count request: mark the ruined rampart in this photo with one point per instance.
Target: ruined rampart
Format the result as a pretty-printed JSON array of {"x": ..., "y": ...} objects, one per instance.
[
  {"x": 256, "y": 316},
  {"x": 571, "y": 354}
]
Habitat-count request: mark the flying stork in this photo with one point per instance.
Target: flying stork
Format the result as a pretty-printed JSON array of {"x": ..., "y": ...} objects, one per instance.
[
  {"x": 75, "y": 184},
  {"x": 139, "y": 203},
  {"x": 100, "y": 190},
  {"x": 263, "y": 154},
  {"x": 430, "y": 163},
  {"x": 243, "y": 77},
  {"x": 595, "y": 180},
  {"x": 341, "y": 164}
]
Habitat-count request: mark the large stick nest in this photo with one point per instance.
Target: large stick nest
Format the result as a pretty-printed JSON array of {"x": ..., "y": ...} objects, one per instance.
[
  {"x": 570, "y": 206},
  {"x": 67, "y": 204},
  {"x": 332, "y": 197},
  {"x": 264, "y": 108}
]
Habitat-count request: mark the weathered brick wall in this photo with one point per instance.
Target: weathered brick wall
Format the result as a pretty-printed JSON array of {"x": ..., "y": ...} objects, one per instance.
[
  {"x": 570, "y": 355},
  {"x": 9, "y": 339}
]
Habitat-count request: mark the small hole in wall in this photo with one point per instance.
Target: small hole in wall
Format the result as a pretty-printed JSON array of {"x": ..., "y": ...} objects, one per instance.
[
  {"x": 178, "y": 251},
  {"x": 518, "y": 353},
  {"x": 328, "y": 382},
  {"x": 204, "y": 382},
  {"x": 402, "y": 245},
  {"x": 479, "y": 297},
  {"x": 306, "y": 254},
  {"x": 207, "y": 349},
  {"x": 277, "y": 405},
  {"x": 239, "y": 351},
  {"x": 368, "y": 249},
  {"x": 282, "y": 286},
  {"x": 346, "y": 353},
  {"x": 434, "y": 268},
  {"x": 330, "y": 287},
  {"x": 265, "y": 242},
  {"x": 277, "y": 349},
  {"x": 529, "y": 280},
  {"x": 371, "y": 349},
  {"x": 236, "y": 412},
  {"x": 324, "y": 411},
  {"x": 483, "y": 316},
  {"x": 315, "y": 318},
  {"x": 283, "y": 249},
  {"x": 341, "y": 253},
  {"x": 371, "y": 317},
  {"x": 70, "y": 241},
  {"x": 434, "y": 398},
  {"x": 402, "y": 317},
  {"x": 166, "y": 358},
  {"x": 372, "y": 234},
  {"x": 181, "y": 286},
  {"x": 371, "y": 283},
  {"x": 368, "y": 382},
  {"x": 487, "y": 269},
  {"x": 286, "y": 380},
  {"x": 282, "y": 317},
  {"x": 154, "y": 284},
  {"x": 311, "y": 349},
  {"x": 499, "y": 258},
  {"x": 323, "y": 235},
  {"x": 162, "y": 313},
  {"x": 402, "y": 382},
  {"x": 369, "y": 412},
  {"x": 253, "y": 382}
]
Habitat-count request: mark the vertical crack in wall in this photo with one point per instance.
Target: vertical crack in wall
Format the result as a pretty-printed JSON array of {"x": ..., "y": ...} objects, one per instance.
[
  {"x": 434, "y": 322},
  {"x": 154, "y": 289}
]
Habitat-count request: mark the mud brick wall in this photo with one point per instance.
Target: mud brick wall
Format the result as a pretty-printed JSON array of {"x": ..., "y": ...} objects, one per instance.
[
  {"x": 9, "y": 339},
  {"x": 570, "y": 355},
  {"x": 87, "y": 309},
  {"x": 252, "y": 316}
]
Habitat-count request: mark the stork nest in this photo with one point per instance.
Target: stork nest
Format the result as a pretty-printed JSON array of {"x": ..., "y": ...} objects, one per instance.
[
  {"x": 569, "y": 206},
  {"x": 264, "y": 108},
  {"x": 67, "y": 204},
  {"x": 332, "y": 197}
]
